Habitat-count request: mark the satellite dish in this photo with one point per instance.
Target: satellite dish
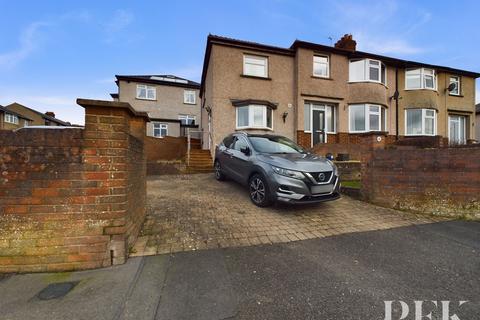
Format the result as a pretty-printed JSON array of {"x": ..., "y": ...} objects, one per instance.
[{"x": 451, "y": 87}]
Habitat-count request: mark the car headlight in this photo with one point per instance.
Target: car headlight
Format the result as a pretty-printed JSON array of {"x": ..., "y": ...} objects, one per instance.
[
  {"x": 288, "y": 173},
  {"x": 334, "y": 167}
]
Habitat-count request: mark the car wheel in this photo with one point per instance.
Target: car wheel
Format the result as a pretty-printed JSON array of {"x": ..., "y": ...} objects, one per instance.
[
  {"x": 218, "y": 171},
  {"x": 259, "y": 192}
]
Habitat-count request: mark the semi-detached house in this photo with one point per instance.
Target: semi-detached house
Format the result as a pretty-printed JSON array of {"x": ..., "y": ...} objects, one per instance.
[{"x": 314, "y": 94}]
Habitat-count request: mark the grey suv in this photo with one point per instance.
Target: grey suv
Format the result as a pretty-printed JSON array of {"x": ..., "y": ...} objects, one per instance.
[{"x": 275, "y": 168}]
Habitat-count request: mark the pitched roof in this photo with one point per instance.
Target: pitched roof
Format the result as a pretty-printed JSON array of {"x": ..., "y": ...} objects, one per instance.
[
  {"x": 225, "y": 41},
  {"x": 477, "y": 108},
  {"x": 163, "y": 79},
  {"x": 43, "y": 115},
  {"x": 5, "y": 110}
]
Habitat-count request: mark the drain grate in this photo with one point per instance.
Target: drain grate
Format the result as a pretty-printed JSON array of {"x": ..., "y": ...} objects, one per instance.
[{"x": 56, "y": 290}]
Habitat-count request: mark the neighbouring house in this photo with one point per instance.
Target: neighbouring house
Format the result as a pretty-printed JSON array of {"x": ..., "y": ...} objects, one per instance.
[
  {"x": 477, "y": 122},
  {"x": 172, "y": 102},
  {"x": 318, "y": 94},
  {"x": 36, "y": 117},
  {"x": 11, "y": 120}
]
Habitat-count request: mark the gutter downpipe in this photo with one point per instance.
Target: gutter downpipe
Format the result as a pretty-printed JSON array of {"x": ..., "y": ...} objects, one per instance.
[{"x": 396, "y": 95}]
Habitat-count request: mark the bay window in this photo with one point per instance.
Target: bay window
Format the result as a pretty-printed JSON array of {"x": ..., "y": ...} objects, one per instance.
[
  {"x": 254, "y": 116},
  {"x": 421, "y": 78},
  {"x": 367, "y": 70},
  {"x": 367, "y": 117},
  {"x": 256, "y": 66},
  {"x": 420, "y": 122}
]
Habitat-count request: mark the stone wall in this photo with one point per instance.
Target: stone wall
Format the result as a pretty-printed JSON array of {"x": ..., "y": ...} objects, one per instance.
[
  {"x": 440, "y": 181},
  {"x": 72, "y": 199}
]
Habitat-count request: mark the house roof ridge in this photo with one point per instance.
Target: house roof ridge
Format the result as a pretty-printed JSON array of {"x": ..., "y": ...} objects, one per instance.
[{"x": 43, "y": 115}]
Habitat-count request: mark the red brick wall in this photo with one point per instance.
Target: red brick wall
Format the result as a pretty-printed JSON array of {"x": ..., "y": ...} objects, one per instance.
[
  {"x": 442, "y": 180},
  {"x": 356, "y": 145},
  {"x": 70, "y": 198}
]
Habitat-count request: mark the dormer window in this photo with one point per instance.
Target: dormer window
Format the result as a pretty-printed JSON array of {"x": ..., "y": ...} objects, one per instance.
[
  {"x": 255, "y": 66},
  {"x": 367, "y": 70},
  {"x": 421, "y": 78}
]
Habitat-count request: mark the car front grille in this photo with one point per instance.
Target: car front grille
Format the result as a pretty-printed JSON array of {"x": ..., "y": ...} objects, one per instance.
[{"x": 326, "y": 176}]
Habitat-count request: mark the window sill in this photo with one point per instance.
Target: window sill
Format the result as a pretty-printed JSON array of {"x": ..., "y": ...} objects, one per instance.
[
  {"x": 456, "y": 95},
  {"x": 253, "y": 128},
  {"x": 368, "y": 81},
  {"x": 422, "y": 89},
  {"x": 419, "y": 135},
  {"x": 321, "y": 78},
  {"x": 190, "y": 104},
  {"x": 255, "y": 77},
  {"x": 372, "y": 132},
  {"x": 145, "y": 99}
]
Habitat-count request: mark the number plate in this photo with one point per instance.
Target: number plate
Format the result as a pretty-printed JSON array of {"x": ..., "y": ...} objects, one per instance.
[{"x": 325, "y": 188}]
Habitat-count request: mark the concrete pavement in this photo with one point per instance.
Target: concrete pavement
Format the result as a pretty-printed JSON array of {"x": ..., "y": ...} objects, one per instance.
[{"x": 339, "y": 277}]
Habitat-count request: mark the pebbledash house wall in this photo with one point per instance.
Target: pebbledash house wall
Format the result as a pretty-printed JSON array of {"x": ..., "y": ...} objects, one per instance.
[
  {"x": 291, "y": 84},
  {"x": 442, "y": 181},
  {"x": 168, "y": 105},
  {"x": 71, "y": 198}
]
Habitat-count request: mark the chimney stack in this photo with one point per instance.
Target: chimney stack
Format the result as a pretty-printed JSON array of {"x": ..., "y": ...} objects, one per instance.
[
  {"x": 50, "y": 113},
  {"x": 346, "y": 43}
]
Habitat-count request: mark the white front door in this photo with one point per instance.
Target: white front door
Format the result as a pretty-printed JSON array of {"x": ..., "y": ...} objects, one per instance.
[{"x": 457, "y": 129}]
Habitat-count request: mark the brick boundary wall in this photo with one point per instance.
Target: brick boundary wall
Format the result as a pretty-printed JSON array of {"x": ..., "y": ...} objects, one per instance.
[
  {"x": 440, "y": 181},
  {"x": 73, "y": 199}
]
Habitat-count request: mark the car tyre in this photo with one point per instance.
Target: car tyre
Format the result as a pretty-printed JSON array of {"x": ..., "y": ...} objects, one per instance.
[
  {"x": 259, "y": 191},
  {"x": 218, "y": 171}
]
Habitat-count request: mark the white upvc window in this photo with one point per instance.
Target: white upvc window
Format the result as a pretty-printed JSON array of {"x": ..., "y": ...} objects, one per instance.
[
  {"x": 254, "y": 116},
  {"x": 256, "y": 66},
  {"x": 11, "y": 118},
  {"x": 367, "y": 70},
  {"x": 146, "y": 92},
  {"x": 420, "y": 78},
  {"x": 457, "y": 133},
  {"x": 456, "y": 81},
  {"x": 26, "y": 123},
  {"x": 420, "y": 122},
  {"x": 321, "y": 66},
  {"x": 367, "y": 117},
  {"x": 160, "y": 129},
  {"x": 330, "y": 117},
  {"x": 187, "y": 119},
  {"x": 189, "y": 97}
]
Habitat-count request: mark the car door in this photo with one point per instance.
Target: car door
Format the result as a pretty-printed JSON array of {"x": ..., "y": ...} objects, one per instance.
[
  {"x": 240, "y": 162},
  {"x": 224, "y": 155}
]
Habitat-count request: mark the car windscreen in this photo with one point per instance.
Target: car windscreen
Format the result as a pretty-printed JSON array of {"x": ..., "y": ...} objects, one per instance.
[{"x": 274, "y": 145}]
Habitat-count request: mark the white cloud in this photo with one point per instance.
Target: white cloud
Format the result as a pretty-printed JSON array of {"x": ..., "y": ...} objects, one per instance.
[
  {"x": 121, "y": 19},
  {"x": 371, "y": 25},
  {"x": 28, "y": 42}
]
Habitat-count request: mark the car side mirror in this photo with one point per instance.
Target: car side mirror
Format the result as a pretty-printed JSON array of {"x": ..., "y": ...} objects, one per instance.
[{"x": 245, "y": 151}]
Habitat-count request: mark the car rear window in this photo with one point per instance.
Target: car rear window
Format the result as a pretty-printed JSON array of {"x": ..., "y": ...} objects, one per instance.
[
  {"x": 275, "y": 144},
  {"x": 227, "y": 142}
]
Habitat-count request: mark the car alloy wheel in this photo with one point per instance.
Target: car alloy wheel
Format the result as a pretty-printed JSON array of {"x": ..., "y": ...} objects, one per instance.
[
  {"x": 257, "y": 190},
  {"x": 218, "y": 171}
]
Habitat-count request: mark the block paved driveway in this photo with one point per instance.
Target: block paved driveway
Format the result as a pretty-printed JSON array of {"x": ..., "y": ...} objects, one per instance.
[{"x": 194, "y": 212}]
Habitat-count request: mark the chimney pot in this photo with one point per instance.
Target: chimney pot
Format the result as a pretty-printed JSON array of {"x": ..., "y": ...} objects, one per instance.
[
  {"x": 50, "y": 113},
  {"x": 346, "y": 43}
]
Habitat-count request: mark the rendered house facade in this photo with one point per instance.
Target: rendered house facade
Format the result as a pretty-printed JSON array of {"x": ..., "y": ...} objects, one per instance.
[
  {"x": 313, "y": 94},
  {"x": 173, "y": 103}
]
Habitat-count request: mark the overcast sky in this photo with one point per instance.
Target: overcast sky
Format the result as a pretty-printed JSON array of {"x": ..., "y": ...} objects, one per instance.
[{"x": 52, "y": 52}]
